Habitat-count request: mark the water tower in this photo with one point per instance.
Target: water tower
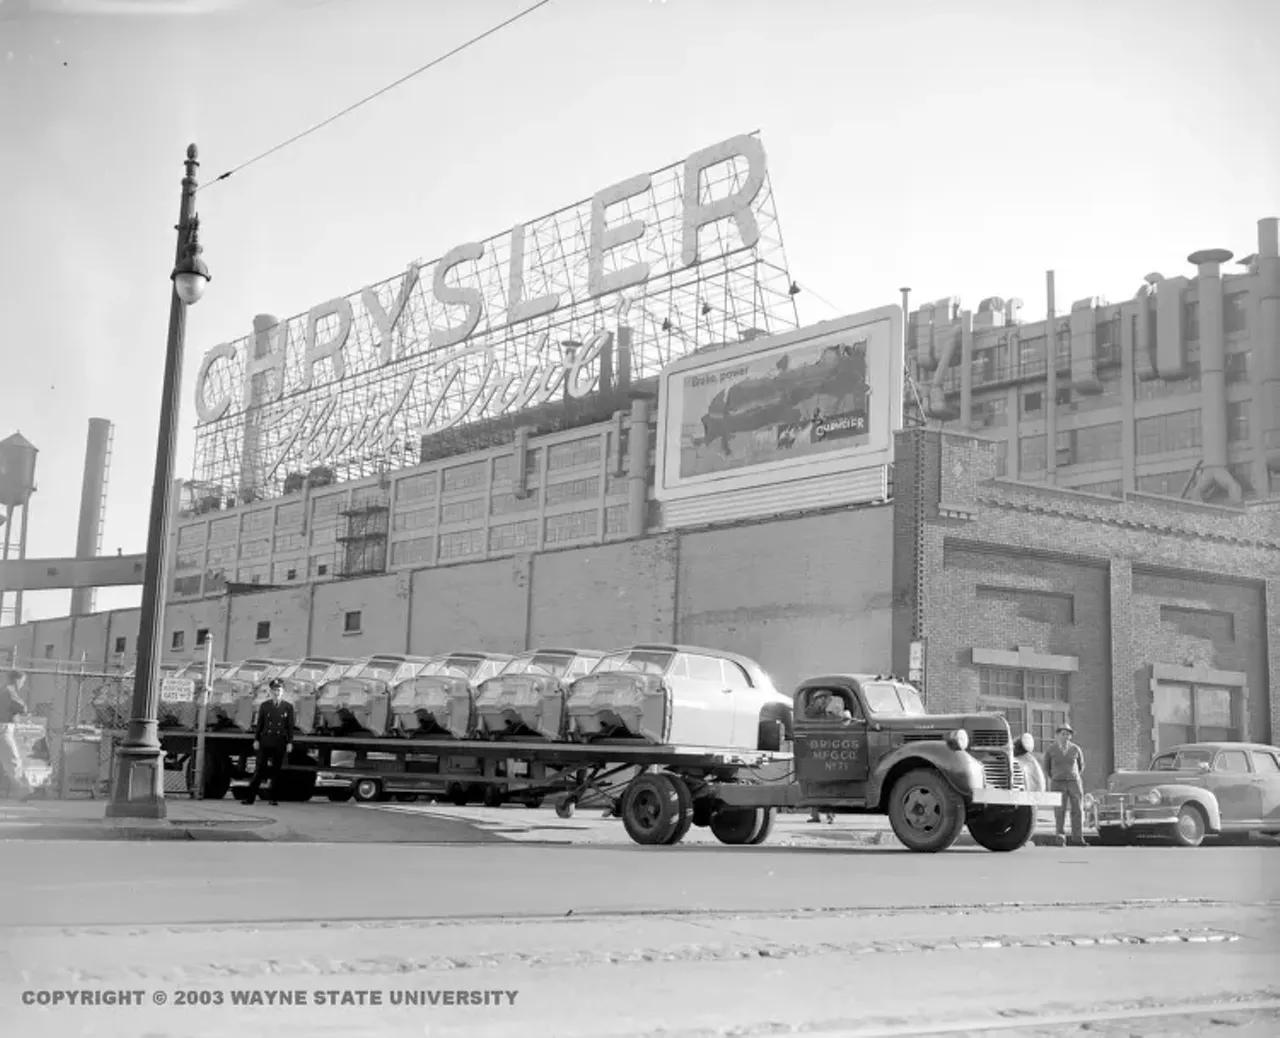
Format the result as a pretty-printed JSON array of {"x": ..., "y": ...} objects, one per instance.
[{"x": 17, "y": 484}]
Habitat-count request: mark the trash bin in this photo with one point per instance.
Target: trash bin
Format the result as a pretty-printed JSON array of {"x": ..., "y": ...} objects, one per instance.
[{"x": 81, "y": 762}]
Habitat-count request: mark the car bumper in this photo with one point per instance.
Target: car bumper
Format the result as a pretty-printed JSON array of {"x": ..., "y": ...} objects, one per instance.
[
  {"x": 328, "y": 780},
  {"x": 1127, "y": 817},
  {"x": 1016, "y": 798}
]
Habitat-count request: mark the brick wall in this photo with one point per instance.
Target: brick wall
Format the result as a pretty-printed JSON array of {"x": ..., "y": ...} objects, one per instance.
[{"x": 1120, "y": 559}]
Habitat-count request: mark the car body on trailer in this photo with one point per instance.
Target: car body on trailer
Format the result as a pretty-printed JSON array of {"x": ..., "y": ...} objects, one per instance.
[
  {"x": 1190, "y": 792},
  {"x": 359, "y": 701},
  {"x": 527, "y": 697},
  {"x": 440, "y": 699},
  {"x": 234, "y": 686}
]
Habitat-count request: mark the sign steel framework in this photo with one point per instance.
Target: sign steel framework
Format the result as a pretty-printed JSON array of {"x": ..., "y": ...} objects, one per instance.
[{"x": 353, "y": 385}]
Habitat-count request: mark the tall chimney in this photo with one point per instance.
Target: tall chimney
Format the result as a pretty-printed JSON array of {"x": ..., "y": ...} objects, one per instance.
[{"x": 93, "y": 503}]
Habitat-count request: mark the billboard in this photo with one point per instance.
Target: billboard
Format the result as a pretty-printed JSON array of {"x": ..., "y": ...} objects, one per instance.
[{"x": 823, "y": 399}]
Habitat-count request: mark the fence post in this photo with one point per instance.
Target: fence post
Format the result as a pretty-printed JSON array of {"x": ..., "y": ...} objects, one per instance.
[{"x": 202, "y": 713}]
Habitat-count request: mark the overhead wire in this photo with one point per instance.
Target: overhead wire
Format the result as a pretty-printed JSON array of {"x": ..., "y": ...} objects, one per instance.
[{"x": 378, "y": 93}]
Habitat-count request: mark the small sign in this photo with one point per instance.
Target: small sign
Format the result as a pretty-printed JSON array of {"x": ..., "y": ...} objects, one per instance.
[
  {"x": 915, "y": 662},
  {"x": 177, "y": 690}
]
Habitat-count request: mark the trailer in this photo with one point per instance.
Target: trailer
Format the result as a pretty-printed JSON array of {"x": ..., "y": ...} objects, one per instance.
[{"x": 861, "y": 744}]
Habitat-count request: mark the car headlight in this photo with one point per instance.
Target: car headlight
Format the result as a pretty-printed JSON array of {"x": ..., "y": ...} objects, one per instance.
[
  {"x": 958, "y": 740},
  {"x": 1024, "y": 744},
  {"x": 1151, "y": 796}
]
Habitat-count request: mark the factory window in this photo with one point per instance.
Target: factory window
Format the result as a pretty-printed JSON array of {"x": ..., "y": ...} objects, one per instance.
[
  {"x": 1237, "y": 367},
  {"x": 291, "y": 574},
  {"x": 1186, "y": 713},
  {"x": 179, "y": 640},
  {"x": 264, "y": 631},
  {"x": 48, "y": 652},
  {"x": 1163, "y": 433},
  {"x": 1031, "y": 700},
  {"x": 1032, "y": 402},
  {"x": 1235, "y": 316},
  {"x": 1165, "y": 484},
  {"x": 351, "y": 622},
  {"x": 120, "y": 646},
  {"x": 1031, "y": 357},
  {"x": 1238, "y": 421},
  {"x": 1031, "y": 455},
  {"x": 202, "y": 636},
  {"x": 1089, "y": 444},
  {"x": 990, "y": 414}
]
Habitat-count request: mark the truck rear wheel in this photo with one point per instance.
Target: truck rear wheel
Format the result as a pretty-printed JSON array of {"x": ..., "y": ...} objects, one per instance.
[
  {"x": 927, "y": 815},
  {"x": 739, "y": 826},
  {"x": 651, "y": 809},
  {"x": 1003, "y": 828},
  {"x": 685, "y": 822}
]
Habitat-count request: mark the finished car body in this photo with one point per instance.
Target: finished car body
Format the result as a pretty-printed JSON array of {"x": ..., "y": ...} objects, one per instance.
[
  {"x": 680, "y": 695},
  {"x": 185, "y": 714},
  {"x": 233, "y": 686},
  {"x": 526, "y": 699},
  {"x": 1190, "y": 791},
  {"x": 302, "y": 681},
  {"x": 359, "y": 702},
  {"x": 440, "y": 698}
]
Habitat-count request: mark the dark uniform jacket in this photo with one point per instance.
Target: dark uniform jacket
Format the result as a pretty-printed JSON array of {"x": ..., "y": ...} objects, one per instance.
[{"x": 275, "y": 723}]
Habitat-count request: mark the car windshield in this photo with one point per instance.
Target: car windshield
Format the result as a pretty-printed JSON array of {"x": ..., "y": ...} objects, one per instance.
[
  {"x": 885, "y": 697},
  {"x": 376, "y": 670},
  {"x": 637, "y": 661},
  {"x": 553, "y": 664},
  {"x": 252, "y": 671},
  {"x": 452, "y": 667},
  {"x": 308, "y": 670},
  {"x": 1182, "y": 760}
]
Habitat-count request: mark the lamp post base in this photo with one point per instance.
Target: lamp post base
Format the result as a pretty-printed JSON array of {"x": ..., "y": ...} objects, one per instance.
[{"x": 138, "y": 790}]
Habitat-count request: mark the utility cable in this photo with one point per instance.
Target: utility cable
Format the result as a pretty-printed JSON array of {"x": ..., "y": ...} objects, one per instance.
[{"x": 386, "y": 89}]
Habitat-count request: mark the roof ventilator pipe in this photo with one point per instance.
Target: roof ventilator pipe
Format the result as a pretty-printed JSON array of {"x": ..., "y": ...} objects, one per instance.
[{"x": 1213, "y": 383}]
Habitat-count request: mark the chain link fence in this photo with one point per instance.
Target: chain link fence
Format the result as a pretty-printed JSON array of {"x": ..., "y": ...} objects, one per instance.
[{"x": 77, "y": 713}]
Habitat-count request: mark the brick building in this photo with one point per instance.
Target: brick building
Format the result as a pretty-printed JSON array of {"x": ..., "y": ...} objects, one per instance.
[{"x": 1143, "y": 621}]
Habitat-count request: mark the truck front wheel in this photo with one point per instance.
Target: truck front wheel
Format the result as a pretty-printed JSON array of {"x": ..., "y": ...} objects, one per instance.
[
  {"x": 926, "y": 814},
  {"x": 1003, "y": 828}
]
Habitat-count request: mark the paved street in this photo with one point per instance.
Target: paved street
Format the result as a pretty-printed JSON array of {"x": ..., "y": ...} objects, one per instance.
[{"x": 604, "y": 941}]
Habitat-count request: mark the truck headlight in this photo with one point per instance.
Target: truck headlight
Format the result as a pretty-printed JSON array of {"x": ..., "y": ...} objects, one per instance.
[
  {"x": 1151, "y": 796},
  {"x": 958, "y": 740},
  {"x": 1024, "y": 744}
]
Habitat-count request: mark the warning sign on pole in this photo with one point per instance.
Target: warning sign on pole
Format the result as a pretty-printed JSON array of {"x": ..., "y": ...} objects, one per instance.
[{"x": 177, "y": 690}]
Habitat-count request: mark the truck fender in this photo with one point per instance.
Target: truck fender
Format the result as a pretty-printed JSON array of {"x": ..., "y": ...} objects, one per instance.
[
  {"x": 1033, "y": 772},
  {"x": 960, "y": 771},
  {"x": 1179, "y": 795}
]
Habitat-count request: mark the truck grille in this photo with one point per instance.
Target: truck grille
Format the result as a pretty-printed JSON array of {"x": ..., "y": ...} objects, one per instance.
[
  {"x": 997, "y": 771},
  {"x": 989, "y": 738}
]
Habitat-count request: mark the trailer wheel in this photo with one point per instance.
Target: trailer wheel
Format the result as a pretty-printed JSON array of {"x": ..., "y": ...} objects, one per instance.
[
  {"x": 737, "y": 826},
  {"x": 338, "y": 796},
  {"x": 766, "y": 827},
  {"x": 1003, "y": 828},
  {"x": 407, "y": 798},
  {"x": 217, "y": 775},
  {"x": 565, "y": 807},
  {"x": 368, "y": 790},
  {"x": 685, "y": 819},
  {"x": 456, "y": 794},
  {"x": 533, "y": 803},
  {"x": 926, "y": 814},
  {"x": 651, "y": 809},
  {"x": 493, "y": 796}
]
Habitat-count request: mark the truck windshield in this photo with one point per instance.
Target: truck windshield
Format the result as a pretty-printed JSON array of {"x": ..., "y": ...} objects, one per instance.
[
  {"x": 539, "y": 663},
  {"x": 1182, "y": 760},
  {"x": 885, "y": 697},
  {"x": 640, "y": 661}
]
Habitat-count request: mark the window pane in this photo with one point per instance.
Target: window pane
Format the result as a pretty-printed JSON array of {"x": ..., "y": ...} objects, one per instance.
[
  {"x": 1044, "y": 723},
  {"x": 1042, "y": 685},
  {"x": 1170, "y": 735},
  {"x": 1213, "y": 707},
  {"x": 704, "y": 668},
  {"x": 1265, "y": 764},
  {"x": 1000, "y": 683},
  {"x": 1233, "y": 761},
  {"x": 1171, "y": 705}
]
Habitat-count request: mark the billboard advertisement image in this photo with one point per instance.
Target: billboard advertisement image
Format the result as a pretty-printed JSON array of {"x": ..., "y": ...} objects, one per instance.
[{"x": 808, "y": 402}]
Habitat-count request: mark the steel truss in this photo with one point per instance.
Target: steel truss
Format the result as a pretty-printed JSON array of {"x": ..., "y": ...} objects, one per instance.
[{"x": 725, "y": 297}]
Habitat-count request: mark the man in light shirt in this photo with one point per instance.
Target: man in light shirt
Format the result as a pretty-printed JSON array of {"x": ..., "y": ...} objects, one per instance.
[
  {"x": 1064, "y": 768},
  {"x": 11, "y": 707}
]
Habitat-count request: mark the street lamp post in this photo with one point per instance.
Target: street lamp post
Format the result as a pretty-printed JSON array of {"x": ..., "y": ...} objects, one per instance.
[{"x": 138, "y": 790}]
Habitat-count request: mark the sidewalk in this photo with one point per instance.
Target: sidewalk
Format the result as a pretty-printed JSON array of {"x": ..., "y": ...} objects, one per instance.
[{"x": 85, "y": 819}]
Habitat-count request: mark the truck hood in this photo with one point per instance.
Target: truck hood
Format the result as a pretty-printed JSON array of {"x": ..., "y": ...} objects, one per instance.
[{"x": 985, "y": 730}]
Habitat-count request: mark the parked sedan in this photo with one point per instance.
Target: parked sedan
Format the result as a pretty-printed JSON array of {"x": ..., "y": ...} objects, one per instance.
[{"x": 1208, "y": 788}]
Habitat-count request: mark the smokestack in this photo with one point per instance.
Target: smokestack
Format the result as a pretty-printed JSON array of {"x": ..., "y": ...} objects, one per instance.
[{"x": 93, "y": 504}]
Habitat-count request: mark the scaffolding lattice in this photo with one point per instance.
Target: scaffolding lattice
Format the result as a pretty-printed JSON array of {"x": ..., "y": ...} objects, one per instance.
[{"x": 730, "y": 294}]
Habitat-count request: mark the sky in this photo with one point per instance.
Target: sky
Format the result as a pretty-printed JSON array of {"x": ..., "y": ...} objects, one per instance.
[{"x": 961, "y": 148}]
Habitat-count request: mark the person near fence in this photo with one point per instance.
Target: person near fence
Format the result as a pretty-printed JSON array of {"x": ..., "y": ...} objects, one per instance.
[
  {"x": 1064, "y": 768},
  {"x": 272, "y": 741},
  {"x": 12, "y": 706}
]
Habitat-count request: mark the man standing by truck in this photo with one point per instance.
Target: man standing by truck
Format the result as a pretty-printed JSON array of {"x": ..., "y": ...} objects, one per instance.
[
  {"x": 11, "y": 707},
  {"x": 272, "y": 741},
  {"x": 1064, "y": 768}
]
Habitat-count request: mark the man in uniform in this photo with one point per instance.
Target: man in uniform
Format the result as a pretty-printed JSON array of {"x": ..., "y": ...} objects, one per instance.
[
  {"x": 1064, "y": 768},
  {"x": 272, "y": 741}
]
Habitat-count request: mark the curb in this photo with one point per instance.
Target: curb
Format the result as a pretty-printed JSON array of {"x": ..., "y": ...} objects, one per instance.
[{"x": 86, "y": 832}]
